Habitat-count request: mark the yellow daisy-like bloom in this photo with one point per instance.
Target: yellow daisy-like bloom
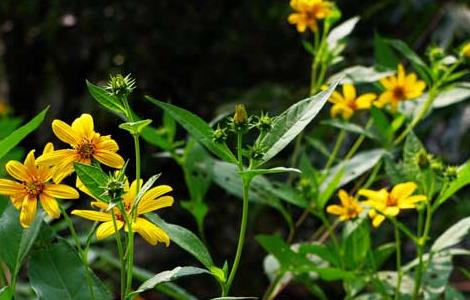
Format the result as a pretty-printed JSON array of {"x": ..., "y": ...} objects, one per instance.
[
  {"x": 86, "y": 145},
  {"x": 349, "y": 208},
  {"x": 400, "y": 88},
  {"x": 466, "y": 50},
  {"x": 307, "y": 12},
  {"x": 152, "y": 200},
  {"x": 348, "y": 103},
  {"x": 33, "y": 185},
  {"x": 384, "y": 203}
]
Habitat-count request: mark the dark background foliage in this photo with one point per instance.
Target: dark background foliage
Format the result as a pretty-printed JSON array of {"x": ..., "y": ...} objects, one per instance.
[{"x": 204, "y": 56}]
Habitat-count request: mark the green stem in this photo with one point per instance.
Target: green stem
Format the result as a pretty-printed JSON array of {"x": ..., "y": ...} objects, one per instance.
[
  {"x": 121, "y": 255},
  {"x": 398, "y": 261},
  {"x": 421, "y": 244},
  {"x": 3, "y": 277},
  {"x": 336, "y": 148},
  {"x": 241, "y": 238},
  {"x": 358, "y": 142}
]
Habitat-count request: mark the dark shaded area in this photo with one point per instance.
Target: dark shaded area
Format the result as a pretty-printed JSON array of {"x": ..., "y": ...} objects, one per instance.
[{"x": 200, "y": 55}]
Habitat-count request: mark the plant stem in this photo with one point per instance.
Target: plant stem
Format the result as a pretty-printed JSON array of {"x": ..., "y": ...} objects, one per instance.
[
  {"x": 241, "y": 237},
  {"x": 121, "y": 255},
  {"x": 398, "y": 260},
  {"x": 421, "y": 245},
  {"x": 358, "y": 142},
  {"x": 336, "y": 148}
]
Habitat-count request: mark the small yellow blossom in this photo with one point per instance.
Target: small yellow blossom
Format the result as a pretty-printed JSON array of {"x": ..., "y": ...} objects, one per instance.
[
  {"x": 152, "y": 200},
  {"x": 4, "y": 108},
  {"x": 307, "y": 12},
  {"x": 33, "y": 185},
  {"x": 86, "y": 145},
  {"x": 349, "y": 208},
  {"x": 384, "y": 203},
  {"x": 400, "y": 88},
  {"x": 348, "y": 103},
  {"x": 466, "y": 50}
]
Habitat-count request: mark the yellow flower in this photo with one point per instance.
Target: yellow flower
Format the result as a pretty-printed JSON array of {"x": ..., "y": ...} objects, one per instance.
[
  {"x": 384, "y": 203},
  {"x": 400, "y": 88},
  {"x": 4, "y": 108},
  {"x": 349, "y": 208},
  {"x": 86, "y": 145},
  {"x": 348, "y": 103},
  {"x": 307, "y": 12},
  {"x": 152, "y": 200},
  {"x": 33, "y": 185},
  {"x": 466, "y": 50}
]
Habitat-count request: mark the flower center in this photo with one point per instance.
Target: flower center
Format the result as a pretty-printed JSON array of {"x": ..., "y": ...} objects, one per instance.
[
  {"x": 391, "y": 201},
  {"x": 352, "y": 104},
  {"x": 85, "y": 150},
  {"x": 398, "y": 93},
  {"x": 33, "y": 189}
]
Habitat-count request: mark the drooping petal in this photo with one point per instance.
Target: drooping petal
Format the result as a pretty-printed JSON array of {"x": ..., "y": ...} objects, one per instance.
[
  {"x": 153, "y": 204},
  {"x": 50, "y": 205},
  {"x": 61, "y": 191},
  {"x": 107, "y": 228},
  {"x": 84, "y": 126},
  {"x": 391, "y": 211},
  {"x": 63, "y": 170},
  {"x": 65, "y": 133},
  {"x": 335, "y": 209},
  {"x": 10, "y": 187},
  {"x": 93, "y": 215},
  {"x": 349, "y": 92},
  {"x": 150, "y": 232},
  {"x": 28, "y": 211},
  {"x": 377, "y": 220},
  {"x": 57, "y": 157},
  {"x": 17, "y": 170},
  {"x": 403, "y": 190},
  {"x": 156, "y": 192},
  {"x": 109, "y": 158}
]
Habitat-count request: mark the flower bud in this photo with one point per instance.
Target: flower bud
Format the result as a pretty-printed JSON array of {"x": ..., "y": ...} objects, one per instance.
[
  {"x": 219, "y": 135},
  {"x": 265, "y": 122},
  {"x": 119, "y": 85},
  {"x": 240, "y": 117}
]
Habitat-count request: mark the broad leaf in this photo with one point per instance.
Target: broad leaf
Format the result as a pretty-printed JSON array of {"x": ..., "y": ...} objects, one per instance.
[
  {"x": 340, "y": 32},
  {"x": 359, "y": 74},
  {"x": 416, "y": 61},
  {"x": 452, "y": 235},
  {"x": 167, "y": 276},
  {"x": 16, "y": 241},
  {"x": 105, "y": 99},
  {"x": 341, "y": 124},
  {"x": 56, "y": 272},
  {"x": 459, "y": 92},
  {"x": 383, "y": 54},
  {"x": 19, "y": 134},
  {"x": 253, "y": 173},
  {"x": 6, "y": 293},
  {"x": 291, "y": 122},
  {"x": 185, "y": 239},
  {"x": 94, "y": 179},
  {"x": 135, "y": 128},
  {"x": 197, "y": 128}
]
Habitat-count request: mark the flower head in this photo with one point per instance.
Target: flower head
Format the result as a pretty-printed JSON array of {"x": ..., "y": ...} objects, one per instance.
[
  {"x": 349, "y": 208},
  {"x": 86, "y": 145},
  {"x": 152, "y": 200},
  {"x": 400, "y": 88},
  {"x": 307, "y": 12},
  {"x": 119, "y": 85},
  {"x": 32, "y": 185},
  {"x": 349, "y": 102},
  {"x": 465, "y": 52},
  {"x": 384, "y": 203}
]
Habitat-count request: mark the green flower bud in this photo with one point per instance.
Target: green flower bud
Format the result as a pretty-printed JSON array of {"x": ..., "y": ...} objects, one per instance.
[
  {"x": 240, "y": 117},
  {"x": 119, "y": 85},
  {"x": 219, "y": 135}
]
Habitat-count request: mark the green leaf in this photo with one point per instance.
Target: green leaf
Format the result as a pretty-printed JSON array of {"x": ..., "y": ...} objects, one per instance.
[
  {"x": 291, "y": 122},
  {"x": 19, "y": 134},
  {"x": 383, "y": 253},
  {"x": 16, "y": 241},
  {"x": 8, "y": 125},
  {"x": 382, "y": 125},
  {"x": 463, "y": 179},
  {"x": 94, "y": 179},
  {"x": 56, "y": 272},
  {"x": 452, "y": 236},
  {"x": 359, "y": 74},
  {"x": 341, "y": 31},
  {"x": 135, "y": 127},
  {"x": 198, "y": 129},
  {"x": 234, "y": 298},
  {"x": 6, "y": 293},
  {"x": 356, "y": 246},
  {"x": 329, "y": 186},
  {"x": 185, "y": 239},
  {"x": 457, "y": 93},
  {"x": 342, "y": 124},
  {"x": 383, "y": 54},
  {"x": 415, "y": 60},
  {"x": 170, "y": 126},
  {"x": 105, "y": 99},
  {"x": 167, "y": 276},
  {"x": 412, "y": 147},
  {"x": 154, "y": 137},
  {"x": 255, "y": 172}
]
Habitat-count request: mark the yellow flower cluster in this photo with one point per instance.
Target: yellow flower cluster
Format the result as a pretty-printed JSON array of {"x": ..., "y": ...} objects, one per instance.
[
  {"x": 381, "y": 203},
  {"x": 397, "y": 88},
  {"x": 308, "y": 12}
]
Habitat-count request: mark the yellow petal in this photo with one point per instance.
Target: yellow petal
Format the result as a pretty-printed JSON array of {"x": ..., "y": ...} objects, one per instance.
[
  {"x": 109, "y": 158},
  {"x": 84, "y": 126},
  {"x": 48, "y": 148},
  {"x": 403, "y": 190},
  {"x": 57, "y": 157},
  {"x": 10, "y": 187},
  {"x": 401, "y": 75},
  {"x": 100, "y": 204},
  {"x": 387, "y": 83},
  {"x": 50, "y": 205},
  {"x": 156, "y": 192},
  {"x": 28, "y": 212},
  {"x": 65, "y": 133},
  {"x": 377, "y": 220},
  {"x": 391, "y": 211},
  {"x": 349, "y": 91},
  {"x": 131, "y": 193},
  {"x": 365, "y": 100},
  {"x": 379, "y": 196},
  {"x": 107, "y": 228},
  {"x": 61, "y": 191},
  {"x": 150, "y": 232},
  {"x": 293, "y": 18},
  {"x": 342, "y": 109},
  {"x": 335, "y": 210},
  {"x": 106, "y": 143},
  {"x": 17, "y": 170},
  {"x": 336, "y": 97},
  {"x": 410, "y": 202},
  {"x": 153, "y": 204},
  {"x": 344, "y": 197},
  {"x": 93, "y": 215}
]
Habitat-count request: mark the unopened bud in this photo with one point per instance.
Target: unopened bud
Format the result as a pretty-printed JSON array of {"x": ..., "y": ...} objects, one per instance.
[
  {"x": 240, "y": 117},
  {"x": 119, "y": 85}
]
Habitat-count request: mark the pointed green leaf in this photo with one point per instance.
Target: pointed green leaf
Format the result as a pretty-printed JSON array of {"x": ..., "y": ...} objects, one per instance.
[
  {"x": 250, "y": 174},
  {"x": 463, "y": 179},
  {"x": 135, "y": 127},
  {"x": 105, "y": 99},
  {"x": 341, "y": 31},
  {"x": 383, "y": 54},
  {"x": 291, "y": 122},
  {"x": 359, "y": 74},
  {"x": 19, "y": 134},
  {"x": 452, "y": 235},
  {"x": 460, "y": 91},
  {"x": 197, "y": 128},
  {"x": 342, "y": 124},
  {"x": 416, "y": 61},
  {"x": 94, "y": 179}
]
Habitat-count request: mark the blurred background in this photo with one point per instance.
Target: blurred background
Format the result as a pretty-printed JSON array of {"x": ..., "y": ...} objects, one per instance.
[{"x": 205, "y": 56}]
